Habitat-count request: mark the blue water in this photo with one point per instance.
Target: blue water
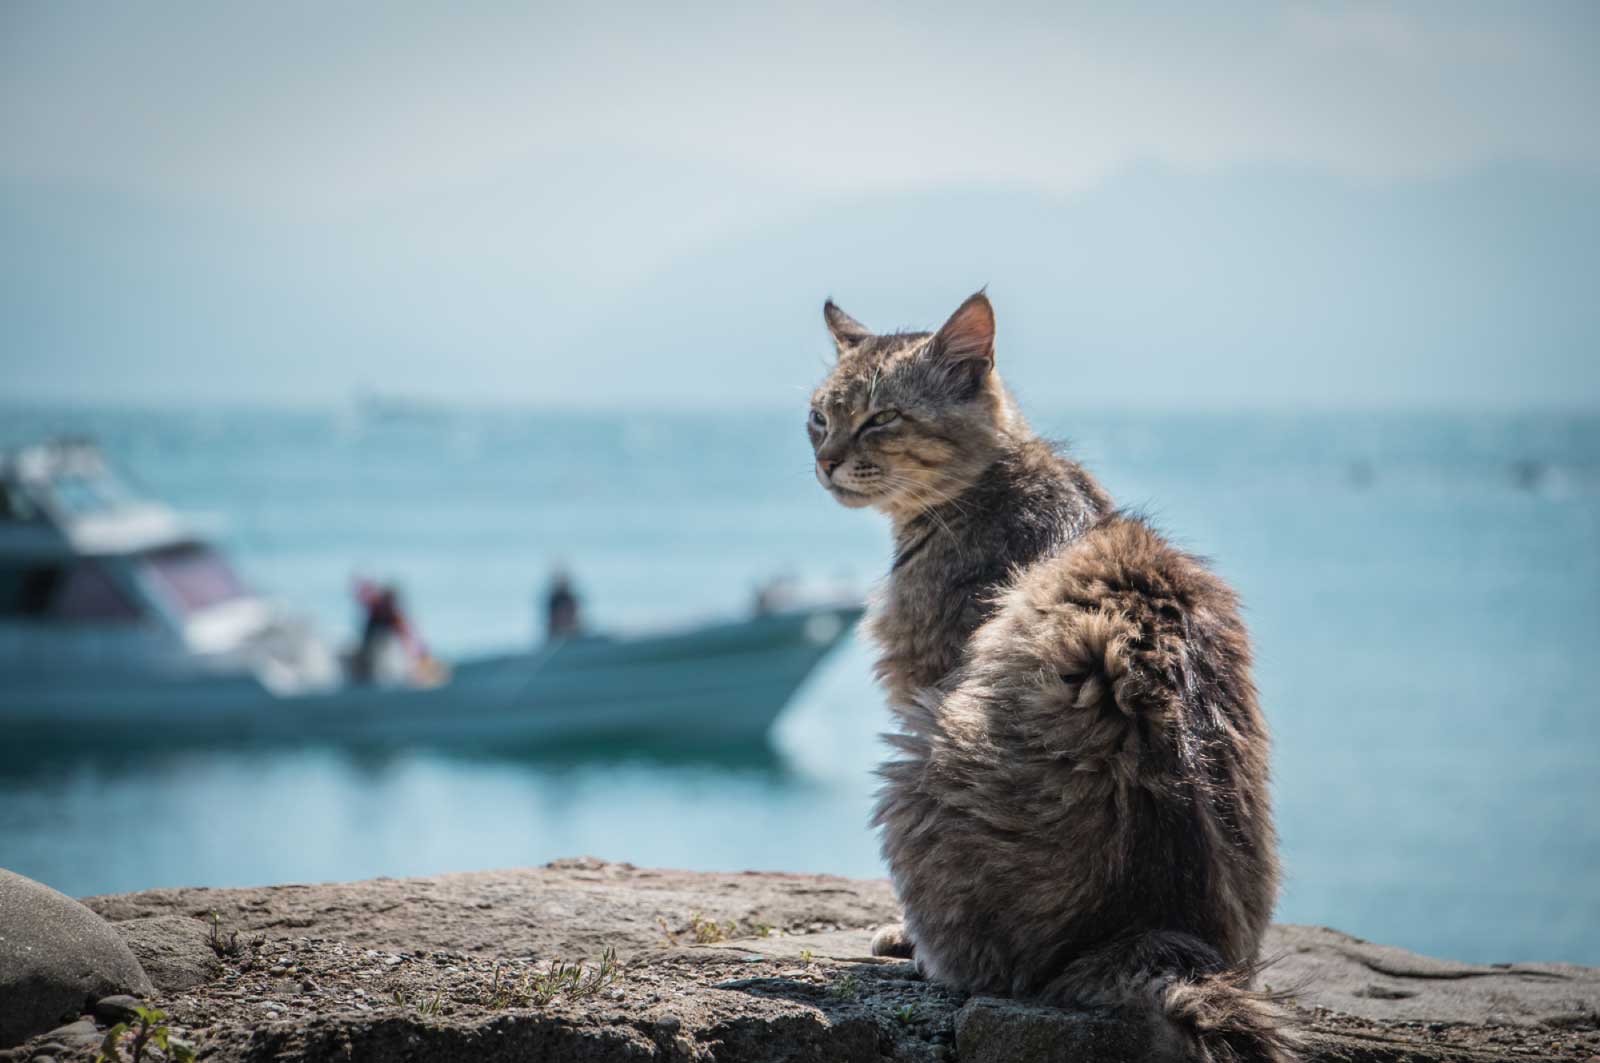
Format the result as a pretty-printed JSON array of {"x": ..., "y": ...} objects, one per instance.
[{"x": 1424, "y": 591}]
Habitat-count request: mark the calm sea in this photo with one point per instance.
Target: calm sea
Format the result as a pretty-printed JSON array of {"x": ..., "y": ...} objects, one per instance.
[{"x": 1424, "y": 593}]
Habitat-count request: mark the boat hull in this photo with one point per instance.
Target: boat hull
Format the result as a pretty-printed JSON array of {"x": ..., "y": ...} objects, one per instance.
[{"x": 715, "y": 685}]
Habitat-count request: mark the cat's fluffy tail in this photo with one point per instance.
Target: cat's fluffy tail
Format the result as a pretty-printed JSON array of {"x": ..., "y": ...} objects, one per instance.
[
  {"x": 1199, "y": 1013},
  {"x": 1217, "y": 1019}
]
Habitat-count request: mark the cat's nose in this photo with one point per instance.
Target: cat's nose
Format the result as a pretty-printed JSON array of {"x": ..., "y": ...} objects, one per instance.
[{"x": 826, "y": 467}]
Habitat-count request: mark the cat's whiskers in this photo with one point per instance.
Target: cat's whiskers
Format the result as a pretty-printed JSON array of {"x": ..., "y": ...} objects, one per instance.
[
  {"x": 928, "y": 495},
  {"x": 903, "y": 484},
  {"x": 932, "y": 503}
]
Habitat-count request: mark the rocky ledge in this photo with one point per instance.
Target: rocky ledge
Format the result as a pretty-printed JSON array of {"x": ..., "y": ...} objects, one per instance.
[{"x": 587, "y": 960}]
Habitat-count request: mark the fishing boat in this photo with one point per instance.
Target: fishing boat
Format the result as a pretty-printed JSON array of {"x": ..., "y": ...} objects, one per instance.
[{"x": 118, "y": 622}]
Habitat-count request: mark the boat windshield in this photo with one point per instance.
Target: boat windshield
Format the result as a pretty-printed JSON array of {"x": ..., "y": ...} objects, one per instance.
[
  {"x": 195, "y": 576},
  {"x": 84, "y": 496}
]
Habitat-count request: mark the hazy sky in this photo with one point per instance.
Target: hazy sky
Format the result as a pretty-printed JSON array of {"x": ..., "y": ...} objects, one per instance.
[{"x": 350, "y": 149}]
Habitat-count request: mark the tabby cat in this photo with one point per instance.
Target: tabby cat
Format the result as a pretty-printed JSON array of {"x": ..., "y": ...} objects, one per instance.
[{"x": 1077, "y": 810}]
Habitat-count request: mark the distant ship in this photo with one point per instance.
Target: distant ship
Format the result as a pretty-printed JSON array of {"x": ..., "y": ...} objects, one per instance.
[{"x": 118, "y": 622}]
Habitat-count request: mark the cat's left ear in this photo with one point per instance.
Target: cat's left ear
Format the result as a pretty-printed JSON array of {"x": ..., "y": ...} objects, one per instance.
[{"x": 965, "y": 344}]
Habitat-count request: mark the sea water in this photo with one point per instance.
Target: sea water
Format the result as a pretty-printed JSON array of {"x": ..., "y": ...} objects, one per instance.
[{"x": 1423, "y": 591}]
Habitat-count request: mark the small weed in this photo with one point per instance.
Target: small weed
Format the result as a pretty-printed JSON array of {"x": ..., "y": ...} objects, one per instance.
[
  {"x": 806, "y": 957},
  {"x": 764, "y": 930},
  {"x": 709, "y": 931},
  {"x": 223, "y": 946},
  {"x": 703, "y": 931},
  {"x": 572, "y": 981},
  {"x": 846, "y": 988},
  {"x": 908, "y": 1014},
  {"x": 500, "y": 994},
  {"x": 149, "y": 1032},
  {"x": 433, "y": 1006},
  {"x": 229, "y": 947}
]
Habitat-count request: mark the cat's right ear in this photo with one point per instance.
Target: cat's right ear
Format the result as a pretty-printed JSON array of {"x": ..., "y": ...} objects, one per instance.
[
  {"x": 846, "y": 330},
  {"x": 965, "y": 345}
]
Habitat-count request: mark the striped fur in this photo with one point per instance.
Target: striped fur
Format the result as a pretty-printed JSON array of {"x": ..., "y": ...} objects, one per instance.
[{"x": 1078, "y": 809}]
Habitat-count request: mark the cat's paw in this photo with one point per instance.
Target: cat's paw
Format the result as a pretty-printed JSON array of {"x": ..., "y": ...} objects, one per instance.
[{"x": 892, "y": 941}]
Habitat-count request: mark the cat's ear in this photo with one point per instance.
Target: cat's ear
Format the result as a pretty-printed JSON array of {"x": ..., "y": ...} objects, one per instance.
[
  {"x": 846, "y": 330},
  {"x": 965, "y": 344}
]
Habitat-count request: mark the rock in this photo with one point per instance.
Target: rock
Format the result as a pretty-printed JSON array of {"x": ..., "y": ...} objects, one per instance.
[
  {"x": 851, "y": 946},
  {"x": 678, "y": 1004},
  {"x": 115, "y": 1009},
  {"x": 321, "y": 984},
  {"x": 174, "y": 950},
  {"x": 1387, "y": 984},
  {"x": 56, "y": 957},
  {"x": 75, "y": 1034},
  {"x": 1004, "y": 1031},
  {"x": 569, "y": 908}
]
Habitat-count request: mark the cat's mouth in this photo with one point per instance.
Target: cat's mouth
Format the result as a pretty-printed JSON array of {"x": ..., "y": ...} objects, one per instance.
[{"x": 846, "y": 497}]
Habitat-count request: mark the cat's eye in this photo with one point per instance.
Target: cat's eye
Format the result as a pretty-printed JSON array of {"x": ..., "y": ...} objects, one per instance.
[
  {"x": 818, "y": 420},
  {"x": 883, "y": 417}
]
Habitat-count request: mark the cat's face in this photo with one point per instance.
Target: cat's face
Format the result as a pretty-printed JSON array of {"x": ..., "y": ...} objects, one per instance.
[{"x": 908, "y": 420}]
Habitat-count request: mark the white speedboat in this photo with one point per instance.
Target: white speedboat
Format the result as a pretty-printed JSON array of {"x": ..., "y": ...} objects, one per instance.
[{"x": 118, "y": 622}]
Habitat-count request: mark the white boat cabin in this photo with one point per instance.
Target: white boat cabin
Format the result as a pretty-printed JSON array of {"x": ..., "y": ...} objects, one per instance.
[{"x": 93, "y": 578}]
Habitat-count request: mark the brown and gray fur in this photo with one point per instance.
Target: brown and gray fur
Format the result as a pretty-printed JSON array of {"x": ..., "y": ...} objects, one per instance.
[{"x": 1078, "y": 809}]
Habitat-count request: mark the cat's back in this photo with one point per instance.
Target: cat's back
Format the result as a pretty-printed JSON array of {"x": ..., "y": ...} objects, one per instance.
[
  {"x": 1140, "y": 629},
  {"x": 1144, "y": 706},
  {"x": 1104, "y": 713},
  {"x": 1168, "y": 603}
]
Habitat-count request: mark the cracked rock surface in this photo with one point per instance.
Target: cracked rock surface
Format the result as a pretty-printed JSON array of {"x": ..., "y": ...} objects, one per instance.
[{"x": 724, "y": 967}]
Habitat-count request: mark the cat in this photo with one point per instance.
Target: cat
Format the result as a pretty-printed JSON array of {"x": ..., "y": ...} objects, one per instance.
[{"x": 1077, "y": 811}]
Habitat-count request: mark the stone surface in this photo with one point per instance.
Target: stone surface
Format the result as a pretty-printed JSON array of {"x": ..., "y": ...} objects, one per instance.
[
  {"x": 1325, "y": 969},
  {"x": 1328, "y": 969},
  {"x": 1000, "y": 1031},
  {"x": 74, "y": 1035},
  {"x": 174, "y": 950},
  {"x": 1004, "y": 1031},
  {"x": 56, "y": 957},
  {"x": 570, "y": 907},
  {"x": 361, "y": 970},
  {"x": 117, "y": 1008}
]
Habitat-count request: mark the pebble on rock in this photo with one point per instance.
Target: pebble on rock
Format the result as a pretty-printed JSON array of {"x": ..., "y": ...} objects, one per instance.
[{"x": 117, "y": 1008}]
